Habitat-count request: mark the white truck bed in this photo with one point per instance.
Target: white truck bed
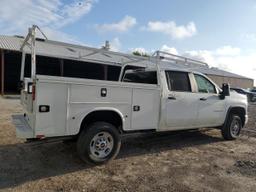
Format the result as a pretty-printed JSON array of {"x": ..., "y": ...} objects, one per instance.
[{"x": 71, "y": 99}]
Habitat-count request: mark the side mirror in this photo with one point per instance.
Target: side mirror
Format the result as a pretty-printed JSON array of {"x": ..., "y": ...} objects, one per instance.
[{"x": 225, "y": 90}]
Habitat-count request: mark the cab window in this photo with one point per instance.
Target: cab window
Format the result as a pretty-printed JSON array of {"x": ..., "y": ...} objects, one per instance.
[
  {"x": 178, "y": 81},
  {"x": 146, "y": 77},
  {"x": 204, "y": 85}
]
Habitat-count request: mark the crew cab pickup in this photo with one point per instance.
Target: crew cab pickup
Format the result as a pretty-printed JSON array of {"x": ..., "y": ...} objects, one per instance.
[{"x": 96, "y": 113}]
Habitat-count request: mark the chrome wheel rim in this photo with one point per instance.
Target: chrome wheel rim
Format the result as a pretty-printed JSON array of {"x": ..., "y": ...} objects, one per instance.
[
  {"x": 101, "y": 145},
  {"x": 235, "y": 127}
]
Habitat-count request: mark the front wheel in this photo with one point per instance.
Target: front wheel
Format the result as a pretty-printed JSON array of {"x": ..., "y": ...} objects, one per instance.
[
  {"x": 98, "y": 143},
  {"x": 232, "y": 129}
]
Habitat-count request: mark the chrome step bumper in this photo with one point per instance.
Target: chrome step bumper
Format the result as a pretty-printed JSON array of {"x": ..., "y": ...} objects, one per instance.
[{"x": 23, "y": 130}]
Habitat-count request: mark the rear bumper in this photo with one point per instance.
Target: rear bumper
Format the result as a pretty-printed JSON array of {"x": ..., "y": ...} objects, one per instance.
[{"x": 23, "y": 130}]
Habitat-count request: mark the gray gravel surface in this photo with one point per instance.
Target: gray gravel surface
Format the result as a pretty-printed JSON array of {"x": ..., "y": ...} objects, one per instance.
[{"x": 178, "y": 161}]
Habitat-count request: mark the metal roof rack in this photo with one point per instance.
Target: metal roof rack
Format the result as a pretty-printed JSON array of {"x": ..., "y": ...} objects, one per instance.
[
  {"x": 177, "y": 58},
  {"x": 156, "y": 59},
  {"x": 31, "y": 36}
]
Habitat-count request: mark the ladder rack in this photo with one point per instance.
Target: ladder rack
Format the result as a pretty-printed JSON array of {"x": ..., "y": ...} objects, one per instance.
[
  {"x": 177, "y": 58},
  {"x": 31, "y": 36},
  {"x": 123, "y": 59}
]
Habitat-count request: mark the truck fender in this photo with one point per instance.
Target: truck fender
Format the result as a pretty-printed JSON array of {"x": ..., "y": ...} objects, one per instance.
[
  {"x": 83, "y": 115},
  {"x": 228, "y": 112}
]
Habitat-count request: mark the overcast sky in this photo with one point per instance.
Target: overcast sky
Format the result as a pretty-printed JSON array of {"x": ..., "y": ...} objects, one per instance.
[{"x": 220, "y": 32}]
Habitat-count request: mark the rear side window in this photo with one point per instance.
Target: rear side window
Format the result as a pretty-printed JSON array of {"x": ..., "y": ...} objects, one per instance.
[
  {"x": 204, "y": 85},
  {"x": 178, "y": 81},
  {"x": 147, "y": 77}
]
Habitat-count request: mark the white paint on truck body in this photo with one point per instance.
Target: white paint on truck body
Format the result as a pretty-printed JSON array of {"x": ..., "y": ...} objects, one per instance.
[{"x": 72, "y": 99}]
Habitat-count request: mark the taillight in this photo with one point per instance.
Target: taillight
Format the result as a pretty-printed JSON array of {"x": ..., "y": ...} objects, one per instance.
[
  {"x": 31, "y": 89},
  {"x": 40, "y": 136},
  {"x": 33, "y": 92}
]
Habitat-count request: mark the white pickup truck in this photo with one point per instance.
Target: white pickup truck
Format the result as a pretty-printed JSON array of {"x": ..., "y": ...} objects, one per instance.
[{"x": 97, "y": 112}]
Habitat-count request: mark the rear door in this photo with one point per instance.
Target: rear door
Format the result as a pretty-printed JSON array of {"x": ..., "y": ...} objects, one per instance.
[{"x": 179, "y": 103}]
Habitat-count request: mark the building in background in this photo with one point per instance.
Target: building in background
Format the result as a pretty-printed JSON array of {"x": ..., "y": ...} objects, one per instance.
[
  {"x": 63, "y": 59},
  {"x": 220, "y": 76}
]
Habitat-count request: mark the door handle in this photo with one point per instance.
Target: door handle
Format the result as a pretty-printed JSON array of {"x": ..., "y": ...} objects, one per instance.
[
  {"x": 136, "y": 108},
  {"x": 203, "y": 99},
  {"x": 172, "y": 98}
]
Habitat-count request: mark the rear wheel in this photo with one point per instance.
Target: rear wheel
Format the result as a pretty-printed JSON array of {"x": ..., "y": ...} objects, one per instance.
[
  {"x": 232, "y": 128},
  {"x": 98, "y": 143}
]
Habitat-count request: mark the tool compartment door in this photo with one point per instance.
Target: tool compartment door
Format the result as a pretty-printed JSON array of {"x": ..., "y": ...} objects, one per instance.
[
  {"x": 145, "y": 108},
  {"x": 55, "y": 96}
]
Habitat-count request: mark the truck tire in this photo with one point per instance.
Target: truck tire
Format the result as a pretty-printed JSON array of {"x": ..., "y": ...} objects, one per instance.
[
  {"x": 98, "y": 143},
  {"x": 232, "y": 128}
]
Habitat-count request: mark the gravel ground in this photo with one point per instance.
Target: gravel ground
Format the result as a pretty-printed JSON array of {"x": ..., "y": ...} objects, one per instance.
[
  {"x": 250, "y": 128},
  {"x": 178, "y": 161}
]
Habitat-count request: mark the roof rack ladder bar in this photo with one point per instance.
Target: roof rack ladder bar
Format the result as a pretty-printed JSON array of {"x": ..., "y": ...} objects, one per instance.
[
  {"x": 25, "y": 42},
  {"x": 33, "y": 52},
  {"x": 22, "y": 65},
  {"x": 26, "y": 39},
  {"x": 160, "y": 84},
  {"x": 158, "y": 68},
  {"x": 178, "y": 58},
  {"x": 32, "y": 37}
]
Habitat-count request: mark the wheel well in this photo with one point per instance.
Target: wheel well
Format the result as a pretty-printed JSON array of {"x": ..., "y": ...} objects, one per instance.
[
  {"x": 111, "y": 117},
  {"x": 238, "y": 111}
]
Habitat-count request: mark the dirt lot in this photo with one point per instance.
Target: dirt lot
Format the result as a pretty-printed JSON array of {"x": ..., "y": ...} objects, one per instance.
[{"x": 179, "y": 161}]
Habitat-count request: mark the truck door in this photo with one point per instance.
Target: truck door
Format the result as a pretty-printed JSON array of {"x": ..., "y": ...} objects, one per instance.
[
  {"x": 145, "y": 99},
  {"x": 145, "y": 108},
  {"x": 211, "y": 108},
  {"x": 179, "y": 108}
]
